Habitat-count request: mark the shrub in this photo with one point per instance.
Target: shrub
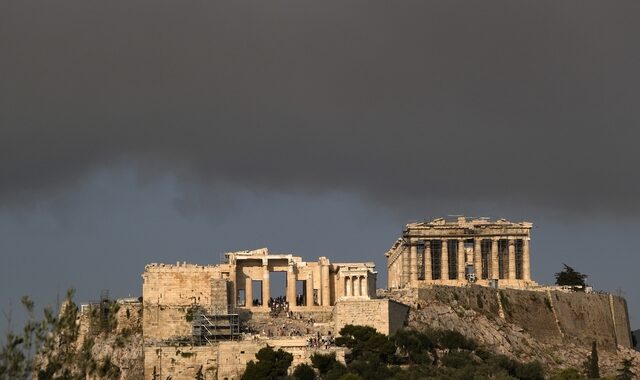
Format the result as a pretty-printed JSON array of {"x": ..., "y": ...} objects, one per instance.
[{"x": 304, "y": 372}]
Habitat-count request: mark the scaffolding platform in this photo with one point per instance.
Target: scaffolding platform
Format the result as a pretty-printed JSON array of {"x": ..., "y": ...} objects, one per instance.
[{"x": 210, "y": 328}]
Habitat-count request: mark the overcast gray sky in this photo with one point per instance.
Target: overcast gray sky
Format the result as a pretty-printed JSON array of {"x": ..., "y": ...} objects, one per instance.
[{"x": 135, "y": 132}]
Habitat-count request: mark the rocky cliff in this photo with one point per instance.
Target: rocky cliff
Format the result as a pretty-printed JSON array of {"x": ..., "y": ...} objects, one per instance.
[
  {"x": 101, "y": 341},
  {"x": 555, "y": 328},
  {"x": 552, "y": 327}
]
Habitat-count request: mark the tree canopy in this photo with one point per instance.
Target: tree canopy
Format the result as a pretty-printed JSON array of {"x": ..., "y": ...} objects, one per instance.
[
  {"x": 270, "y": 365},
  {"x": 413, "y": 354},
  {"x": 570, "y": 277}
]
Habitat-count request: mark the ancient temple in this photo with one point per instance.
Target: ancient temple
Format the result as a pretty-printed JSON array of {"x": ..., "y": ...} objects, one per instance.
[
  {"x": 461, "y": 251},
  {"x": 322, "y": 282}
]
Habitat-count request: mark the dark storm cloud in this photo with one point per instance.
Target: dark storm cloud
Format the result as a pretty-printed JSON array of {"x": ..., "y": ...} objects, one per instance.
[{"x": 400, "y": 101}]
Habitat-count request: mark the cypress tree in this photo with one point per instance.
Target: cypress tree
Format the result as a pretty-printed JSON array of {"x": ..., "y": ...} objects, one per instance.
[{"x": 594, "y": 369}]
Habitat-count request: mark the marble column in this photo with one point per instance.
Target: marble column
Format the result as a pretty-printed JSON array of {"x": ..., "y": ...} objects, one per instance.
[
  {"x": 477, "y": 257},
  {"x": 326, "y": 283},
  {"x": 444, "y": 270},
  {"x": 495, "y": 266},
  {"x": 265, "y": 284},
  {"x": 248, "y": 292},
  {"x": 526, "y": 264},
  {"x": 414, "y": 264},
  {"x": 291, "y": 285},
  {"x": 461, "y": 259},
  {"x": 347, "y": 286},
  {"x": 512, "y": 259},
  {"x": 365, "y": 286},
  {"x": 406, "y": 267},
  {"x": 427, "y": 260},
  {"x": 309, "y": 290},
  {"x": 233, "y": 286}
]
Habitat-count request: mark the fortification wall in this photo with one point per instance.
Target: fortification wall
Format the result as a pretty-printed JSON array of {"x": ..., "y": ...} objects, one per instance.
[
  {"x": 165, "y": 322},
  {"x": 178, "y": 284},
  {"x": 385, "y": 315},
  {"x": 234, "y": 356},
  {"x": 171, "y": 291},
  {"x": 621, "y": 318},
  {"x": 222, "y": 360},
  {"x": 180, "y": 363},
  {"x": 549, "y": 316}
]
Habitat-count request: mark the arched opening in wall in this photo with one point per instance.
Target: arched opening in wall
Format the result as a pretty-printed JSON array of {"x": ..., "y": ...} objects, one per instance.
[{"x": 256, "y": 287}]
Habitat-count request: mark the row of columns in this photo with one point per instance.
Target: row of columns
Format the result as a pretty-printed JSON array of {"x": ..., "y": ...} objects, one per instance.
[
  {"x": 356, "y": 286},
  {"x": 410, "y": 263},
  {"x": 324, "y": 293}
]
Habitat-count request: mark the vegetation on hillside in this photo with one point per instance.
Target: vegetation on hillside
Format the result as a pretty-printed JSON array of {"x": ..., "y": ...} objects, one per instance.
[
  {"x": 47, "y": 348},
  {"x": 409, "y": 354}
]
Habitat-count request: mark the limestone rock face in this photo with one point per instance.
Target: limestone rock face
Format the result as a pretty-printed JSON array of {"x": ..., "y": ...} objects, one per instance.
[
  {"x": 104, "y": 348},
  {"x": 522, "y": 325}
]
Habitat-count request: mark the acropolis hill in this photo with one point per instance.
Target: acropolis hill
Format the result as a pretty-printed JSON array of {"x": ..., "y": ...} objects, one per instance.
[{"x": 469, "y": 275}]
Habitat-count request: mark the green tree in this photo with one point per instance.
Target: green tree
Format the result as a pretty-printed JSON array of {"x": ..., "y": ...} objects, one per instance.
[
  {"x": 304, "y": 372},
  {"x": 592, "y": 367},
  {"x": 371, "y": 351},
  {"x": 47, "y": 348},
  {"x": 51, "y": 338},
  {"x": 328, "y": 366},
  {"x": 569, "y": 277},
  {"x": 270, "y": 365},
  {"x": 625, "y": 372},
  {"x": 324, "y": 363},
  {"x": 414, "y": 344},
  {"x": 365, "y": 340}
]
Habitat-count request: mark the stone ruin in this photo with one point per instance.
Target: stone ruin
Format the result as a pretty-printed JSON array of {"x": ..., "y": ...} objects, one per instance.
[
  {"x": 460, "y": 251},
  {"x": 219, "y": 316}
]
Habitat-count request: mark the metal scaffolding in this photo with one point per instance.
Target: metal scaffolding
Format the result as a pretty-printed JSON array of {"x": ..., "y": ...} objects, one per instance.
[{"x": 210, "y": 328}]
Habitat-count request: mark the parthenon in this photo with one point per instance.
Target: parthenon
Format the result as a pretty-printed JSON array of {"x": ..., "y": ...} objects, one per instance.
[{"x": 460, "y": 251}]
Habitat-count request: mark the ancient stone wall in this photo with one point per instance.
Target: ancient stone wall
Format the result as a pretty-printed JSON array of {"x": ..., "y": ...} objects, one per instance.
[
  {"x": 170, "y": 292},
  {"x": 234, "y": 356},
  {"x": 180, "y": 363},
  {"x": 384, "y": 315},
  {"x": 621, "y": 319},
  {"x": 165, "y": 322},
  {"x": 178, "y": 284},
  {"x": 222, "y": 360}
]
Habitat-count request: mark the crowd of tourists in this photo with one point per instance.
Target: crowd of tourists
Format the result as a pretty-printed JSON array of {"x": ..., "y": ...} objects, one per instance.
[{"x": 321, "y": 341}]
